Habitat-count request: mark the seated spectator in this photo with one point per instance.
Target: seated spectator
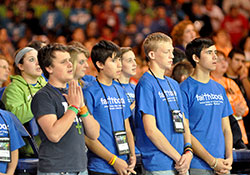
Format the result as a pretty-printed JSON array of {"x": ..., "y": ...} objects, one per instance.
[
  {"x": 182, "y": 70},
  {"x": 233, "y": 92},
  {"x": 222, "y": 41},
  {"x": 13, "y": 141},
  {"x": 183, "y": 33},
  {"x": 4, "y": 73},
  {"x": 19, "y": 93}
]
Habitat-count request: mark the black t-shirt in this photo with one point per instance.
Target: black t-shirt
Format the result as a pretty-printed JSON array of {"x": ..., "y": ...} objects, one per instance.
[{"x": 69, "y": 154}]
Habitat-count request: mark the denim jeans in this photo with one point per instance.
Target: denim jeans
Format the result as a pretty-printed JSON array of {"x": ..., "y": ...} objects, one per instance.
[
  {"x": 169, "y": 172},
  {"x": 194, "y": 171},
  {"x": 63, "y": 173}
]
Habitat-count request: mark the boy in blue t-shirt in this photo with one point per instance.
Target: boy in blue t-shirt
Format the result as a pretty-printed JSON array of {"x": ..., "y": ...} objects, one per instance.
[
  {"x": 8, "y": 130},
  {"x": 113, "y": 152},
  {"x": 207, "y": 108},
  {"x": 160, "y": 122}
]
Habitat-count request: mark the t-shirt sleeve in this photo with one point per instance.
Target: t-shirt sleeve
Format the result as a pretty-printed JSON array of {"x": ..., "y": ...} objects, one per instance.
[
  {"x": 145, "y": 99},
  {"x": 16, "y": 140},
  {"x": 42, "y": 104}
]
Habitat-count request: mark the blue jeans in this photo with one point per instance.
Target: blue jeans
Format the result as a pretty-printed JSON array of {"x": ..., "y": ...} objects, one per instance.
[
  {"x": 194, "y": 171},
  {"x": 80, "y": 173}
]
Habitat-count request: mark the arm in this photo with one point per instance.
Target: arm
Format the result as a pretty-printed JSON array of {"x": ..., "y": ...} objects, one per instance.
[
  {"x": 228, "y": 139},
  {"x": 96, "y": 147},
  {"x": 158, "y": 139},
  {"x": 184, "y": 163},
  {"x": 21, "y": 107},
  {"x": 91, "y": 127},
  {"x": 201, "y": 152},
  {"x": 55, "y": 128},
  {"x": 12, "y": 165},
  {"x": 131, "y": 144}
]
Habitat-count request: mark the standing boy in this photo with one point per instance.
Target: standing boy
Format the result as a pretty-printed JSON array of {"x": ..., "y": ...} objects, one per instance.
[
  {"x": 113, "y": 152},
  {"x": 207, "y": 108},
  {"x": 160, "y": 123},
  {"x": 56, "y": 109}
]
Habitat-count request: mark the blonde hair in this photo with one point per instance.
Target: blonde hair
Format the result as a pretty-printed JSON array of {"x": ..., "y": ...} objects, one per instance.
[
  {"x": 75, "y": 48},
  {"x": 151, "y": 42}
]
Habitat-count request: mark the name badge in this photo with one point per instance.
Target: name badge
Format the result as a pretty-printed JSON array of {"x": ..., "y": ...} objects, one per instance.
[
  {"x": 178, "y": 121},
  {"x": 121, "y": 142},
  {"x": 5, "y": 149}
]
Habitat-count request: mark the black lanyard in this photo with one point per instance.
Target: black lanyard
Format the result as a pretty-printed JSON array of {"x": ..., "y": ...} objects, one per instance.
[
  {"x": 109, "y": 106},
  {"x": 131, "y": 101},
  {"x": 163, "y": 90},
  {"x": 30, "y": 89}
]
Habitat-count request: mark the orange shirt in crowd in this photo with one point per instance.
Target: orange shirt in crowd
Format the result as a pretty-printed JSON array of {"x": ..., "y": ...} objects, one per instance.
[{"x": 235, "y": 97}]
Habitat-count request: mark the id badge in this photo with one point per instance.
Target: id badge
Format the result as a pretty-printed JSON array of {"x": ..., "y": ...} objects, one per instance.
[
  {"x": 177, "y": 120},
  {"x": 5, "y": 149},
  {"x": 121, "y": 142}
]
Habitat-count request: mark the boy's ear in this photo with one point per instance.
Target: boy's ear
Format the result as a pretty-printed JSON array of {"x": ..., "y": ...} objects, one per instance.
[
  {"x": 100, "y": 65},
  {"x": 195, "y": 58},
  {"x": 151, "y": 55},
  {"x": 49, "y": 69}
]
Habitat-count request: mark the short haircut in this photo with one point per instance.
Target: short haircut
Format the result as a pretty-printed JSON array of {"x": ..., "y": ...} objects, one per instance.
[
  {"x": 151, "y": 42},
  {"x": 124, "y": 50},
  {"x": 46, "y": 56},
  {"x": 195, "y": 47},
  {"x": 102, "y": 51},
  {"x": 179, "y": 55},
  {"x": 234, "y": 51},
  {"x": 180, "y": 69},
  {"x": 221, "y": 53}
]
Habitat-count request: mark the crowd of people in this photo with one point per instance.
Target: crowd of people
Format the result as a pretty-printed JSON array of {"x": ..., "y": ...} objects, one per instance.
[{"x": 109, "y": 80}]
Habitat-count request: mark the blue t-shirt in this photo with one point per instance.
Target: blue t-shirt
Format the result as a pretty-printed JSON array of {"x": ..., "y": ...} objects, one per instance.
[
  {"x": 16, "y": 140},
  {"x": 130, "y": 93},
  {"x": 98, "y": 107},
  {"x": 206, "y": 104},
  {"x": 151, "y": 100}
]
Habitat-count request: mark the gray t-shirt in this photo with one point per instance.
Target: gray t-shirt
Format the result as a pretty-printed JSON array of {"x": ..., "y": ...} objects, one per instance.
[{"x": 69, "y": 154}]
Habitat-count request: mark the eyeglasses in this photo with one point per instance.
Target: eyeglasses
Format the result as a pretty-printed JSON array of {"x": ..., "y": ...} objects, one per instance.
[{"x": 5, "y": 67}]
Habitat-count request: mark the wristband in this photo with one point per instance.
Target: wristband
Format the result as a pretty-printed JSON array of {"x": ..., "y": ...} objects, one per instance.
[
  {"x": 83, "y": 110},
  {"x": 84, "y": 115},
  {"x": 215, "y": 165},
  {"x": 113, "y": 162},
  {"x": 73, "y": 109},
  {"x": 187, "y": 145},
  {"x": 189, "y": 152}
]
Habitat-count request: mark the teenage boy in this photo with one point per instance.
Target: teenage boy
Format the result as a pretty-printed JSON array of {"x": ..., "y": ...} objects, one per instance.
[
  {"x": 56, "y": 109},
  {"x": 161, "y": 128},
  {"x": 11, "y": 141},
  {"x": 208, "y": 108},
  {"x": 113, "y": 152},
  {"x": 238, "y": 71}
]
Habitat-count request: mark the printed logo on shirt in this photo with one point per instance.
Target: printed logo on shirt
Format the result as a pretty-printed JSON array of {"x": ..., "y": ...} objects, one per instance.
[
  {"x": 169, "y": 94},
  {"x": 114, "y": 103},
  {"x": 209, "y": 99},
  {"x": 3, "y": 129},
  {"x": 131, "y": 97}
]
